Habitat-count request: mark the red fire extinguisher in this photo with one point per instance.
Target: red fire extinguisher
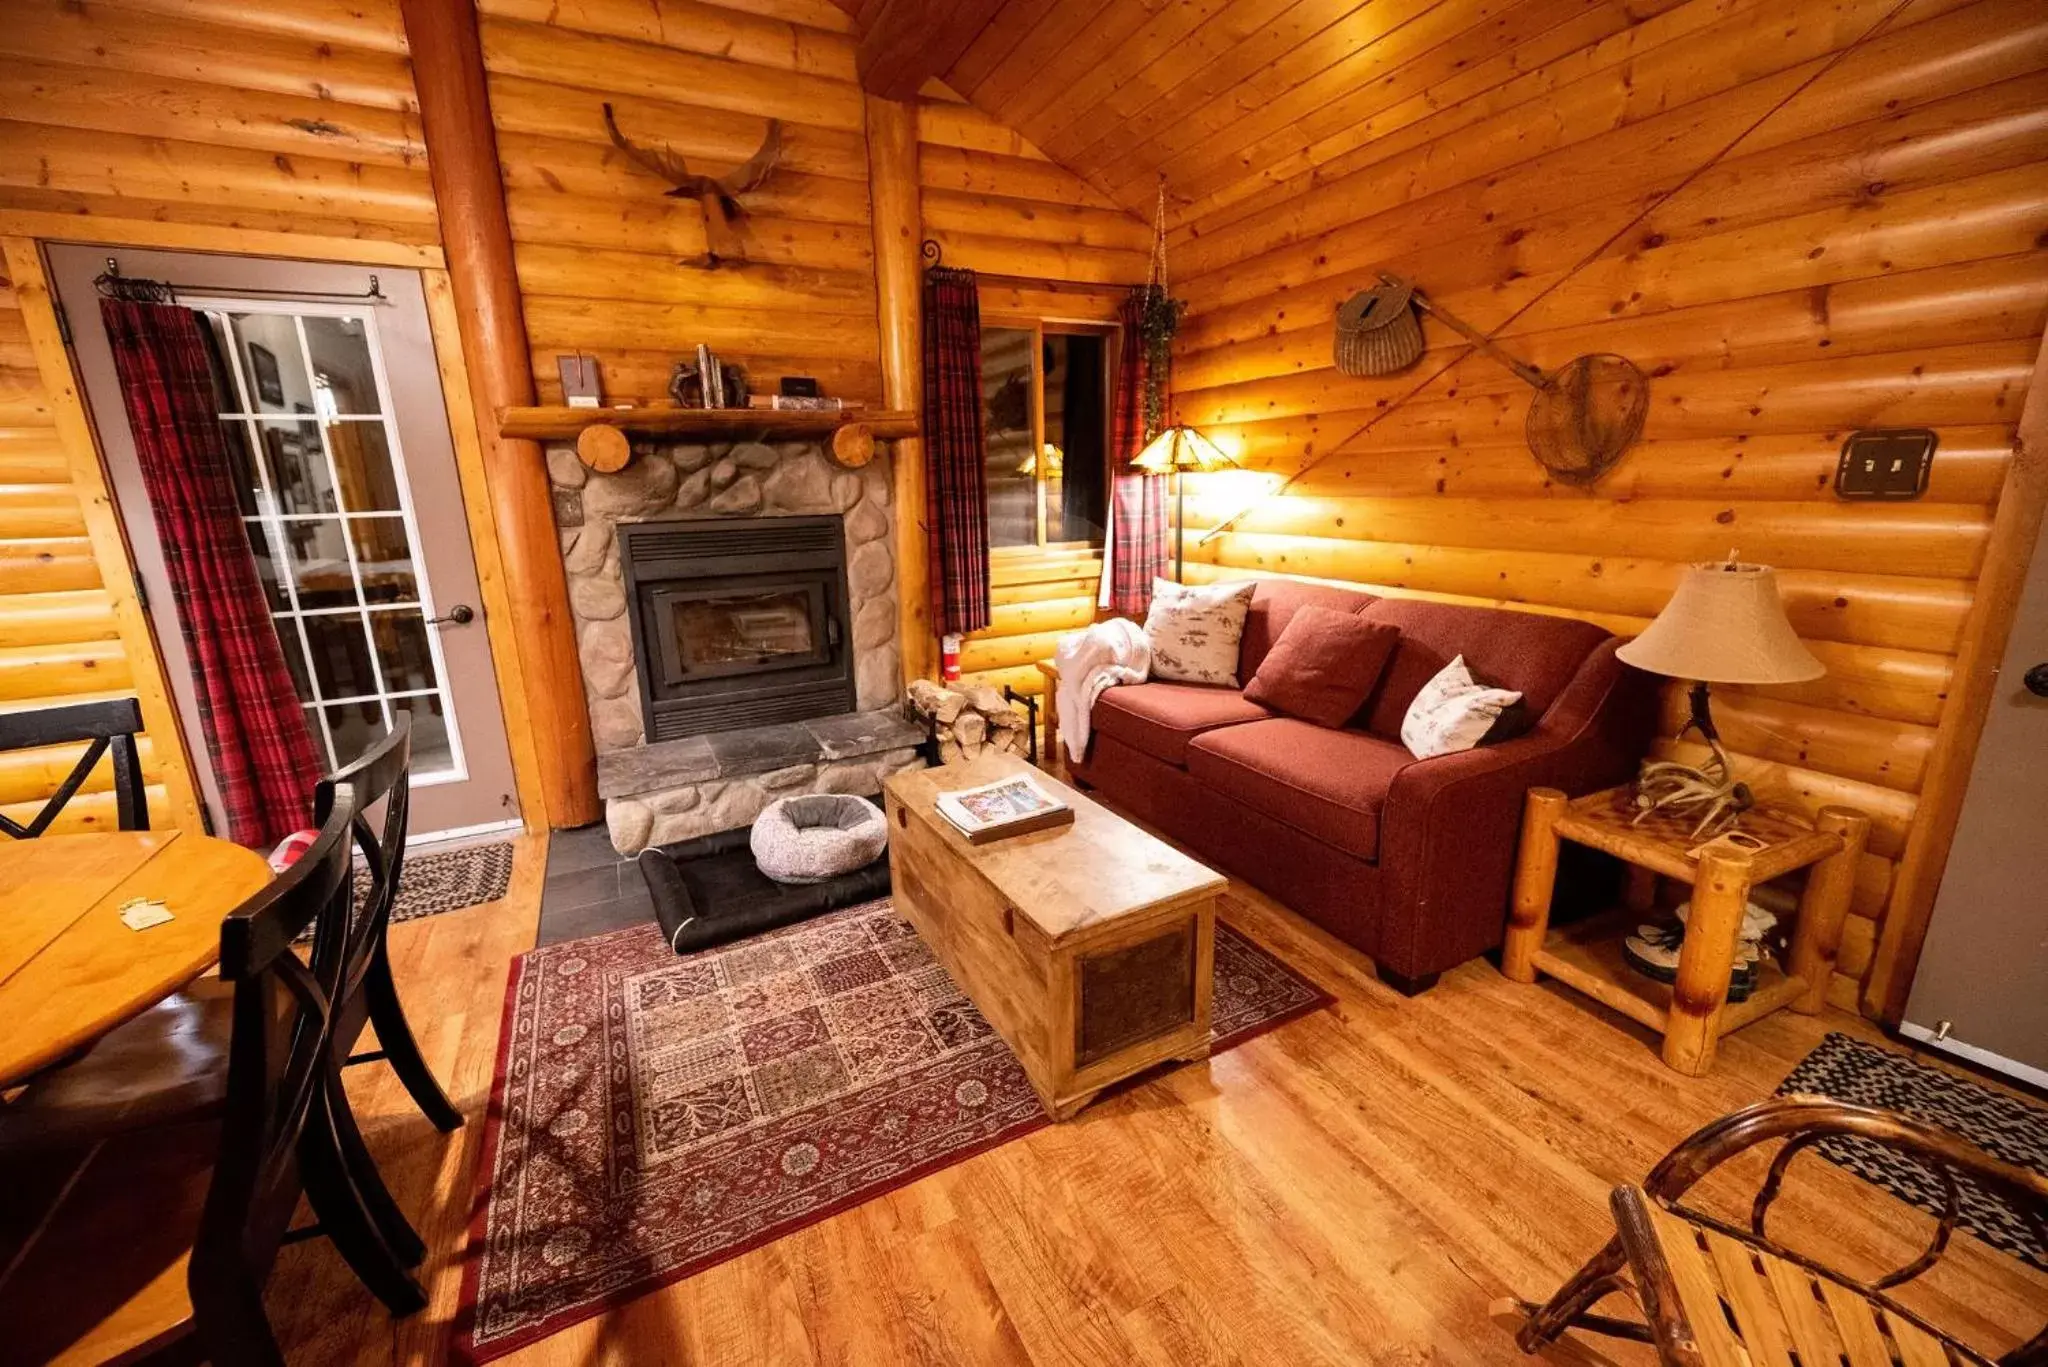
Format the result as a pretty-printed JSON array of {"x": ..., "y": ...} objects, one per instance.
[{"x": 949, "y": 658}]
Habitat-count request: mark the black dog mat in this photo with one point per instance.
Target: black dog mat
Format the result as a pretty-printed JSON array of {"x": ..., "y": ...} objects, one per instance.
[{"x": 708, "y": 892}]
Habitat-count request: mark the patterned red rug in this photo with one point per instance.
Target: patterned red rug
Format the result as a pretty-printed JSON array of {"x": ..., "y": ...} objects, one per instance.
[{"x": 655, "y": 1115}]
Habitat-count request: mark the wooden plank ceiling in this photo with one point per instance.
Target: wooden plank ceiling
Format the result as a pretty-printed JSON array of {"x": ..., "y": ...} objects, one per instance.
[{"x": 1225, "y": 96}]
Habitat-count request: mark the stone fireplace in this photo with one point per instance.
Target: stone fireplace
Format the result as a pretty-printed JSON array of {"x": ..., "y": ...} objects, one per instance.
[
  {"x": 734, "y": 564},
  {"x": 737, "y": 621}
]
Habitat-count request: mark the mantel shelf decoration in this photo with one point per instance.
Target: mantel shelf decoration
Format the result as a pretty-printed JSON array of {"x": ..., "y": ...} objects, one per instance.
[{"x": 556, "y": 422}]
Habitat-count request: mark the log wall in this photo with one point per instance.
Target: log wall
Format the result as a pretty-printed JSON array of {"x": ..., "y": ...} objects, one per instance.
[
  {"x": 609, "y": 264},
  {"x": 288, "y": 121},
  {"x": 1869, "y": 252},
  {"x": 60, "y": 640},
  {"x": 994, "y": 203}
]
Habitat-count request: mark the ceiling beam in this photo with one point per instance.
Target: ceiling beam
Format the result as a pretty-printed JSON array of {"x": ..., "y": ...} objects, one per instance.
[{"x": 904, "y": 43}]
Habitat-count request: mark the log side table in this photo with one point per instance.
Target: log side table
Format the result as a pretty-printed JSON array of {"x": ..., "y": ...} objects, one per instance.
[
  {"x": 1049, "y": 755},
  {"x": 1694, "y": 1012}
]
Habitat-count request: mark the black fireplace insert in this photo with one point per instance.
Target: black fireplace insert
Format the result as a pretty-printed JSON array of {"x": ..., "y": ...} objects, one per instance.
[{"x": 738, "y": 621}]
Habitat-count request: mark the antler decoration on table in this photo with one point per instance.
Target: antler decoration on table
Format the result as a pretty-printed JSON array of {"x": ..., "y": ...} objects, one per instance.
[{"x": 717, "y": 195}]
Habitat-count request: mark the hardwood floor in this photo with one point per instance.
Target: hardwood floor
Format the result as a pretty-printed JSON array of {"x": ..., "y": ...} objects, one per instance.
[{"x": 1357, "y": 1186}]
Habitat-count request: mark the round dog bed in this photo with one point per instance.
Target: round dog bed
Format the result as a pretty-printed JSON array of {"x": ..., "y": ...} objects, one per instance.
[{"x": 818, "y": 836}]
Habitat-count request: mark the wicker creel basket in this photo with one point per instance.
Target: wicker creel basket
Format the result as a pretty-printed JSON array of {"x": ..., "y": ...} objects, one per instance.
[{"x": 1377, "y": 331}]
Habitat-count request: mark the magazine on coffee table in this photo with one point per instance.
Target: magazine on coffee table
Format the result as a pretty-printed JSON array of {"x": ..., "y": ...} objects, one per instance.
[{"x": 1011, "y": 806}]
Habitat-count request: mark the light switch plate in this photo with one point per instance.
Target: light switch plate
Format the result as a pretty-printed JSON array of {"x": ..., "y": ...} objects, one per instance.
[{"x": 1885, "y": 463}]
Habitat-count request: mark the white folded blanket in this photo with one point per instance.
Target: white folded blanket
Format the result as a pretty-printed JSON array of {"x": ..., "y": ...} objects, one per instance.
[{"x": 1106, "y": 654}]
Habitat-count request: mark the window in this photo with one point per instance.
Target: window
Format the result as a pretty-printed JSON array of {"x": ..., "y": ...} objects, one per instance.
[
  {"x": 1045, "y": 410},
  {"x": 307, "y": 420}
]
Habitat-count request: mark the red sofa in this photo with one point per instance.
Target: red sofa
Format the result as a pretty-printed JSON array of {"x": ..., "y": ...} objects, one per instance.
[{"x": 1409, "y": 860}]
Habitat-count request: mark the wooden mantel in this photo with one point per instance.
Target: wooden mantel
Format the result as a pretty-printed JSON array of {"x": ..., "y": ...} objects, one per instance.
[{"x": 559, "y": 423}]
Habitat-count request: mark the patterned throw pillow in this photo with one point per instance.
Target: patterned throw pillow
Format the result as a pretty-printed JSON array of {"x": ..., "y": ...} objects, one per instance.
[
  {"x": 1452, "y": 713},
  {"x": 1194, "y": 630}
]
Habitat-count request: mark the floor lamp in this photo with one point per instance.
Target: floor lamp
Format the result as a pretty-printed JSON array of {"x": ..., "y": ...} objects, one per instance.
[{"x": 1178, "y": 451}]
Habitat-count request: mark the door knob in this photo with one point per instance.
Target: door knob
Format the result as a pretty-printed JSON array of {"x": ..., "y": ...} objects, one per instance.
[
  {"x": 2036, "y": 680},
  {"x": 462, "y": 614}
]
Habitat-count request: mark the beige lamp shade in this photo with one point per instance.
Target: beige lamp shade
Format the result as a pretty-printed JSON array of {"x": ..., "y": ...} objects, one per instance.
[
  {"x": 1725, "y": 624},
  {"x": 1180, "y": 448}
]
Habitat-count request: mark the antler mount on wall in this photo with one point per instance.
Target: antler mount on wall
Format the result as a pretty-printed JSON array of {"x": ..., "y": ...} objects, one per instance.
[{"x": 717, "y": 196}]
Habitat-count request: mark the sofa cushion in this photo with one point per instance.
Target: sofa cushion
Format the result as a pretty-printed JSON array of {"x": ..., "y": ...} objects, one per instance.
[
  {"x": 1161, "y": 718},
  {"x": 1453, "y": 713},
  {"x": 1274, "y": 603},
  {"x": 1195, "y": 631},
  {"x": 1328, "y": 784},
  {"x": 1524, "y": 652},
  {"x": 1324, "y": 666}
]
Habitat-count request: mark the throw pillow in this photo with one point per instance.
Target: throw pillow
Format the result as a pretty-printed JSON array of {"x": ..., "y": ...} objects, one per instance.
[
  {"x": 1452, "y": 712},
  {"x": 1195, "y": 629},
  {"x": 1323, "y": 666}
]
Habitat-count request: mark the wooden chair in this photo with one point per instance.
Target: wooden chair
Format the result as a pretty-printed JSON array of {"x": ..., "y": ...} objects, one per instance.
[
  {"x": 112, "y": 726},
  {"x": 368, "y": 994},
  {"x": 1713, "y": 1294},
  {"x": 159, "y": 1245},
  {"x": 384, "y": 773}
]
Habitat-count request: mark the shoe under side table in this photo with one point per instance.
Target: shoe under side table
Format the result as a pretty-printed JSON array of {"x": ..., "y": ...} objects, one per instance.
[{"x": 1694, "y": 1012}]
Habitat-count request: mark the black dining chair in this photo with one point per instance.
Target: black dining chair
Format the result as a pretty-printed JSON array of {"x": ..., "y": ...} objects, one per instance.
[
  {"x": 276, "y": 1140},
  {"x": 368, "y": 993},
  {"x": 384, "y": 773},
  {"x": 110, "y": 726}
]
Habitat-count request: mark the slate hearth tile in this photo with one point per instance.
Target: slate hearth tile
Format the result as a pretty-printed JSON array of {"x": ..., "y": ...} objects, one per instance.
[
  {"x": 587, "y": 847},
  {"x": 863, "y": 733},
  {"x": 799, "y": 1080},
  {"x": 581, "y": 888},
  {"x": 764, "y": 1041},
  {"x": 758, "y": 749},
  {"x": 665, "y": 764}
]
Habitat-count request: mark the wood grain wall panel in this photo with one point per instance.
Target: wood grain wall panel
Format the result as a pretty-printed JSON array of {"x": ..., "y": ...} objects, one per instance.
[
  {"x": 1003, "y": 208},
  {"x": 1869, "y": 252},
  {"x": 59, "y": 640},
  {"x": 296, "y": 119},
  {"x": 610, "y": 265}
]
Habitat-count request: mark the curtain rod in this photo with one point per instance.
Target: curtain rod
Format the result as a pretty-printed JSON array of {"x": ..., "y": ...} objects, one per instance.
[
  {"x": 934, "y": 255},
  {"x": 111, "y": 281}
]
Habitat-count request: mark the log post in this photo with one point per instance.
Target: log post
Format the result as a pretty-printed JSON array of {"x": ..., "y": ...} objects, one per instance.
[
  {"x": 1824, "y": 906},
  {"x": 1706, "y": 962},
  {"x": 898, "y": 226},
  {"x": 1535, "y": 881},
  {"x": 455, "y": 118}
]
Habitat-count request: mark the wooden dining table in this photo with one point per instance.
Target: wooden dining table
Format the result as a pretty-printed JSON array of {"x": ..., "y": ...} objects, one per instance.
[{"x": 70, "y": 967}]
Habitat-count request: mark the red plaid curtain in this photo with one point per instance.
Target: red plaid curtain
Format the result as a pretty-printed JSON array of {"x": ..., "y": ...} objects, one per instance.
[
  {"x": 953, "y": 452},
  {"x": 263, "y": 754},
  {"x": 1137, "y": 543}
]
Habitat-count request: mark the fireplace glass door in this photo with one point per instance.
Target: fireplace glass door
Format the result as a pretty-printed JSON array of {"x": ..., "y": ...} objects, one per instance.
[{"x": 718, "y": 632}]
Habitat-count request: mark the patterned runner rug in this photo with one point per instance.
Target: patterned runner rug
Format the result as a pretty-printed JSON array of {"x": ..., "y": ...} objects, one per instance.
[
  {"x": 1847, "y": 1069},
  {"x": 654, "y": 1115}
]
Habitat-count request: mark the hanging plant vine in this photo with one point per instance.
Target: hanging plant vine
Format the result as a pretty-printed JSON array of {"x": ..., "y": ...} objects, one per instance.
[{"x": 1159, "y": 315}]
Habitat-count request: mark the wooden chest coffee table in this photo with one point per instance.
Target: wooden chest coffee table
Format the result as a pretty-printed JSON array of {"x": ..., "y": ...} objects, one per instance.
[{"x": 1089, "y": 948}]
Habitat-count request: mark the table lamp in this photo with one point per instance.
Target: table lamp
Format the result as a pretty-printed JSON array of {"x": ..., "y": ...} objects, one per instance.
[
  {"x": 1176, "y": 451},
  {"x": 1724, "y": 624}
]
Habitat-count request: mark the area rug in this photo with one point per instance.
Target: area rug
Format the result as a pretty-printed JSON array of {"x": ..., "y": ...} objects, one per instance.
[
  {"x": 1846, "y": 1069},
  {"x": 449, "y": 880},
  {"x": 653, "y": 1115}
]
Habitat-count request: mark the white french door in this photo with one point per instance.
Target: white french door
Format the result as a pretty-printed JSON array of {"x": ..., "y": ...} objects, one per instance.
[{"x": 332, "y": 413}]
